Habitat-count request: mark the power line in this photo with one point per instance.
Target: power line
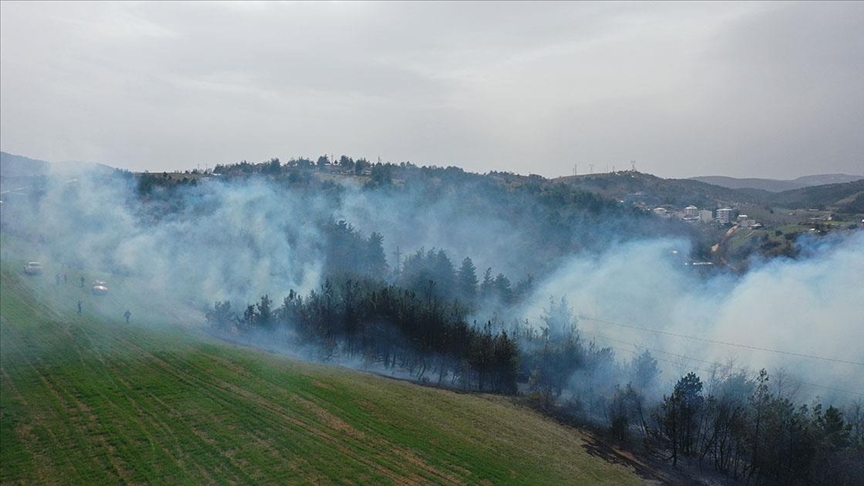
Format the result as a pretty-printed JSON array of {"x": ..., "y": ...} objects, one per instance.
[
  {"x": 725, "y": 343},
  {"x": 746, "y": 346},
  {"x": 713, "y": 363},
  {"x": 452, "y": 280},
  {"x": 696, "y": 368},
  {"x": 713, "y": 341}
]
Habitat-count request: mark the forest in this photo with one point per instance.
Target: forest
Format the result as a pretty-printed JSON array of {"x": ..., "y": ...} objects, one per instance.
[{"x": 418, "y": 319}]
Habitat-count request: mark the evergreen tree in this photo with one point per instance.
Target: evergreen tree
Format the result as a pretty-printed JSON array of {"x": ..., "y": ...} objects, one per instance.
[
  {"x": 376, "y": 260},
  {"x": 644, "y": 371},
  {"x": 678, "y": 414},
  {"x": 467, "y": 281},
  {"x": 220, "y": 317},
  {"x": 503, "y": 289},
  {"x": 487, "y": 287},
  {"x": 264, "y": 314}
]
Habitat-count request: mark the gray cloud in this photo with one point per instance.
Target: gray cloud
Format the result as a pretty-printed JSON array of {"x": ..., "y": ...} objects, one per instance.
[{"x": 740, "y": 89}]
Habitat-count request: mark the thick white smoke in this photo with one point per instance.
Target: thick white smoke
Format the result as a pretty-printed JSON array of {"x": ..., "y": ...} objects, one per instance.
[
  {"x": 805, "y": 316},
  {"x": 240, "y": 240}
]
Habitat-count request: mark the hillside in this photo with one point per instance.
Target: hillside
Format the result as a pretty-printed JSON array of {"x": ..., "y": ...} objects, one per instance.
[
  {"x": 656, "y": 191},
  {"x": 16, "y": 167},
  {"x": 12, "y": 165},
  {"x": 88, "y": 400},
  {"x": 846, "y": 197},
  {"x": 774, "y": 185}
]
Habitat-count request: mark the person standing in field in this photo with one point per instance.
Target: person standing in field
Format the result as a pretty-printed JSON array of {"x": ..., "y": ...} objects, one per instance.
[
  {"x": 79, "y": 307},
  {"x": 127, "y": 315}
]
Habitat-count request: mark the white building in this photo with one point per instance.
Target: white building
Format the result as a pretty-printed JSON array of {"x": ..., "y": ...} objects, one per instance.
[
  {"x": 746, "y": 222},
  {"x": 662, "y": 212},
  {"x": 724, "y": 215},
  {"x": 691, "y": 212},
  {"x": 706, "y": 216}
]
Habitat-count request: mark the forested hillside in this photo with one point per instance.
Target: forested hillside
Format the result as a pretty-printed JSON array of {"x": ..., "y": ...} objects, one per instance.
[
  {"x": 773, "y": 185},
  {"x": 845, "y": 197},
  {"x": 589, "y": 308}
]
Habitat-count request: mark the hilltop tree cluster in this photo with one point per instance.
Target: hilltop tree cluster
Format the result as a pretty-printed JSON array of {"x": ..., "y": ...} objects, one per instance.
[{"x": 559, "y": 218}]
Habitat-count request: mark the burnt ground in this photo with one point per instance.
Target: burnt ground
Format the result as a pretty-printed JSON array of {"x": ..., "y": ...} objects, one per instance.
[{"x": 650, "y": 465}]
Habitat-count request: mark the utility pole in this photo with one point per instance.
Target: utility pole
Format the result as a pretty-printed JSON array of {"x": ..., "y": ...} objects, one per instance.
[
  {"x": 633, "y": 164},
  {"x": 590, "y": 168},
  {"x": 398, "y": 255}
]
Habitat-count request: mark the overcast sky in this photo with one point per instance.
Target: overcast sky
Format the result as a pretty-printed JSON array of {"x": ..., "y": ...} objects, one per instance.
[{"x": 740, "y": 89}]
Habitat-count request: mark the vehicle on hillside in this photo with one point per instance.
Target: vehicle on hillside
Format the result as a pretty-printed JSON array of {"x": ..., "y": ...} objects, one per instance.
[
  {"x": 33, "y": 268},
  {"x": 100, "y": 287}
]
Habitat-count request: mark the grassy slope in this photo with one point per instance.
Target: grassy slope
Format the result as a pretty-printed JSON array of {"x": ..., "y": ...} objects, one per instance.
[{"x": 89, "y": 401}]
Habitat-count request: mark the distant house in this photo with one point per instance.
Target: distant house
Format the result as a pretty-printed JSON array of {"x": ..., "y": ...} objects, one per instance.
[
  {"x": 691, "y": 212},
  {"x": 662, "y": 212},
  {"x": 724, "y": 215},
  {"x": 745, "y": 222},
  {"x": 706, "y": 216}
]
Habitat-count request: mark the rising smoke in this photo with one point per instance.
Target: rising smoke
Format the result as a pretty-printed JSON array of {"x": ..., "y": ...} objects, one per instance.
[
  {"x": 803, "y": 316},
  {"x": 238, "y": 240}
]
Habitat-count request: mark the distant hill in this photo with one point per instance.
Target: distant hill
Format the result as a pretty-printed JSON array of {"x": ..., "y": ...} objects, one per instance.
[
  {"x": 846, "y": 197},
  {"x": 655, "y": 191},
  {"x": 841, "y": 192},
  {"x": 17, "y": 166},
  {"x": 12, "y": 165},
  {"x": 774, "y": 185},
  {"x": 636, "y": 187}
]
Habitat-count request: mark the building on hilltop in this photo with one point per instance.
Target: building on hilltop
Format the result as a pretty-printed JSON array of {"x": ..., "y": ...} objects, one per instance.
[
  {"x": 706, "y": 216},
  {"x": 662, "y": 212},
  {"x": 744, "y": 221},
  {"x": 691, "y": 214},
  {"x": 724, "y": 215}
]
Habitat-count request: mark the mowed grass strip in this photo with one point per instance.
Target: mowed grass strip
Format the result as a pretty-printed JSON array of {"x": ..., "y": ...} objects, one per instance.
[{"x": 87, "y": 401}]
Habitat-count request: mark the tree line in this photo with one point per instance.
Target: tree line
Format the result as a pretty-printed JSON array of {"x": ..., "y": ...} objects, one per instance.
[
  {"x": 384, "y": 326},
  {"x": 740, "y": 428},
  {"x": 745, "y": 431}
]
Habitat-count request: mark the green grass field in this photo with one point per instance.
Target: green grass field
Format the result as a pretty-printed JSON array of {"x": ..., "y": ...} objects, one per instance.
[{"x": 90, "y": 400}]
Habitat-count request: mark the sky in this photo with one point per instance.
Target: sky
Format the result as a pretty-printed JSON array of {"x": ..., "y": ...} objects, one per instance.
[{"x": 683, "y": 89}]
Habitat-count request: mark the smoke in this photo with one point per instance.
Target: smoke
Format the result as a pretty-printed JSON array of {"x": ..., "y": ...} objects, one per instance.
[
  {"x": 422, "y": 218},
  {"x": 241, "y": 239},
  {"x": 802, "y": 317}
]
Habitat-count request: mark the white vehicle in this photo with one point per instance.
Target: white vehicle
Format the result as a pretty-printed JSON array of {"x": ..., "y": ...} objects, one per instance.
[
  {"x": 99, "y": 287},
  {"x": 33, "y": 268}
]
